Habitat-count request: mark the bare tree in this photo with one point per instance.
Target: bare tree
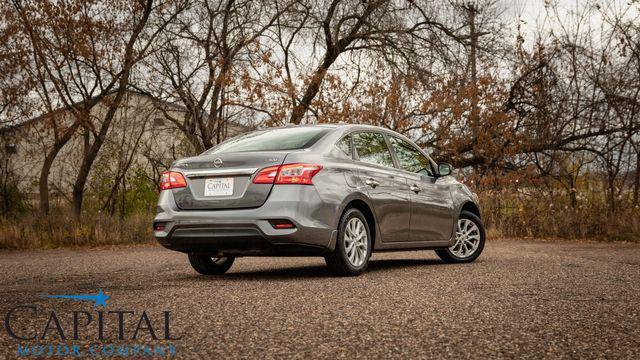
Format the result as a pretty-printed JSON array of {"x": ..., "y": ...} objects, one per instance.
[
  {"x": 395, "y": 31},
  {"x": 82, "y": 56},
  {"x": 203, "y": 59}
]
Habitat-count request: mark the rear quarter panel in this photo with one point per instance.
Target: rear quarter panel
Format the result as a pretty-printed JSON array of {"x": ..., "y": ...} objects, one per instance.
[
  {"x": 334, "y": 182},
  {"x": 337, "y": 185}
]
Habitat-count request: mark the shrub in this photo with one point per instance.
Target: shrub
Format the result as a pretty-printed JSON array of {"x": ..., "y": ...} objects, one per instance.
[
  {"x": 32, "y": 231},
  {"x": 12, "y": 200},
  {"x": 543, "y": 214}
]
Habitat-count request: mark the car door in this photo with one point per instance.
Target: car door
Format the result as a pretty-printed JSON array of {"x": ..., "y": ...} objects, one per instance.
[
  {"x": 388, "y": 191},
  {"x": 431, "y": 202}
]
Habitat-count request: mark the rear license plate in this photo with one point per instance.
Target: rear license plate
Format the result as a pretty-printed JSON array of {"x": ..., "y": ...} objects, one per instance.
[{"x": 218, "y": 187}]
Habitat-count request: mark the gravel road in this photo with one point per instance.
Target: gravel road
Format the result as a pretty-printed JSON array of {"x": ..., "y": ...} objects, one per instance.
[{"x": 527, "y": 299}]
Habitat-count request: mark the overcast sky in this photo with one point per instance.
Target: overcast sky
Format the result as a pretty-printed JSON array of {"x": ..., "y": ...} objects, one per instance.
[{"x": 533, "y": 15}]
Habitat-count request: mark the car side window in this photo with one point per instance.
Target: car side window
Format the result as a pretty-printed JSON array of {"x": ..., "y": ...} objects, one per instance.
[
  {"x": 372, "y": 148},
  {"x": 410, "y": 158},
  {"x": 345, "y": 145}
]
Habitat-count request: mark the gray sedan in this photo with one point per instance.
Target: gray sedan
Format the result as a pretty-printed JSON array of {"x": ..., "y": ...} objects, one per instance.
[{"x": 337, "y": 191}]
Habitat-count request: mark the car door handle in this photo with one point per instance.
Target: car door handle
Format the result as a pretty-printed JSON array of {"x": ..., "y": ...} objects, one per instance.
[
  {"x": 415, "y": 188},
  {"x": 372, "y": 183}
]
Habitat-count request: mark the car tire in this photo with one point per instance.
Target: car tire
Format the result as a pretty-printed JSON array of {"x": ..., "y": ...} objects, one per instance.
[
  {"x": 353, "y": 245},
  {"x": 465, "y": 239},
  {"x": 207, "y": 265}
]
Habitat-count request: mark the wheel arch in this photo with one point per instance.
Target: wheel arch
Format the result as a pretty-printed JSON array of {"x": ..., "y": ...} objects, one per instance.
[
  {"x": 366, "y": 209},
  {"x": 471, "y": 207}
]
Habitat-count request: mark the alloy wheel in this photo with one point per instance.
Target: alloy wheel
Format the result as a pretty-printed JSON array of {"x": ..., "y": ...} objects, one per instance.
[
  {"x": 356, "y": 242},
  {"x": 467, "y": 239}
]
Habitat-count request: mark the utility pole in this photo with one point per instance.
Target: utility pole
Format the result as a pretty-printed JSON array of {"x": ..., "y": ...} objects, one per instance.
[
  {"x": 473, "y": 37},
  {"x": 472, "y": 10}
]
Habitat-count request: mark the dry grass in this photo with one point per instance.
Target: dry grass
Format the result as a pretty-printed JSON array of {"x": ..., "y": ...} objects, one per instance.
[
  {"x": 517, "y": 214},
  {"x": 507, "y": 214},
  {"x": 34, "y": 232}
]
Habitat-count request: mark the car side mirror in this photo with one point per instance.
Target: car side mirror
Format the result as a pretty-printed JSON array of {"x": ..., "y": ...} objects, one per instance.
[{"x": 444, "y": 169}]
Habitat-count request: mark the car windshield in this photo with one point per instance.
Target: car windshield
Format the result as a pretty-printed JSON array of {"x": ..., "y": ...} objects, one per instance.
[{"x": 272, "y": 140}]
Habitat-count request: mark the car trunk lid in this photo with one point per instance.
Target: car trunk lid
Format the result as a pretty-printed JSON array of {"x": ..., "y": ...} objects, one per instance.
[{"x": 223, "y": 181}]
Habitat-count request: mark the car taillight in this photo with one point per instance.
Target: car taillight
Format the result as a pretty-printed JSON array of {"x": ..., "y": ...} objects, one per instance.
[
  {"x": 266, "y": 175},
  {"x": 172, "y": 180},
  {"x": 297, "y": 174},
  {"x": 301, "y": 174}
]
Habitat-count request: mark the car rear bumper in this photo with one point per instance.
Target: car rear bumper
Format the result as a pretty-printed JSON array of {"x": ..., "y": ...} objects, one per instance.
[{"x": 248, "y": 232}]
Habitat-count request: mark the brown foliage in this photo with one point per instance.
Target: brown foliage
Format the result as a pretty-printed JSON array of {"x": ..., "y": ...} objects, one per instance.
[{"x": 559, "y": 112}]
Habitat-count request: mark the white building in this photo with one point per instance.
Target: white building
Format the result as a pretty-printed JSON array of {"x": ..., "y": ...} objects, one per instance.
[{"x": 141, "y": 142}]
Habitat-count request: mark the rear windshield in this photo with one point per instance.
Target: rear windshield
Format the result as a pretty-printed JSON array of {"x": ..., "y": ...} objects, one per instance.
[{"x": 272, "y": 140}]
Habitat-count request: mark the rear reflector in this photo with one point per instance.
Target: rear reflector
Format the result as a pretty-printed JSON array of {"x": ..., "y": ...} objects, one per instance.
[
  {"x": 172, "y": 180},
  {"x": 301, "y": 174},
  {"x": 282, "y": 224},
  {"x": 158, "y": 227}
]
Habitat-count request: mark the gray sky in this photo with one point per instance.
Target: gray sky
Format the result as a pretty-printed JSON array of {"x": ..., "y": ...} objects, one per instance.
[{"x": 533, "y": 14}]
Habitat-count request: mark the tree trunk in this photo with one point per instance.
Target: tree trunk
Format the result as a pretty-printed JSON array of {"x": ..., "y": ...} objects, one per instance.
[
  {"x": 636, "y": 181},
  {"x": 312, "y": 89},
  {"x": 92, "y": 153},
  {"x": 44, "y": 179},
  {"x": 78, "y": 190},
  {"x": 5, "y": 186},
  {"x": 611, "y": 194},
  {"x": 572, "y": 192},
  {"x": 123, "y": 206},
  {"x": 43, "y": 184}
]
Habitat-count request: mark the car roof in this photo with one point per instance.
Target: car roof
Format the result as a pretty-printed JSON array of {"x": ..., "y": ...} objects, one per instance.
[
  {"x": 334, "y": 126},
  {"x": 341, "y": 128}
]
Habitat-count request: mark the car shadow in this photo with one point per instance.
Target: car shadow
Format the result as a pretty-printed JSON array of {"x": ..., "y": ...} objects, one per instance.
[
  {"x": 385, "y": 264},
  {"x": 312, "y": 271}
]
